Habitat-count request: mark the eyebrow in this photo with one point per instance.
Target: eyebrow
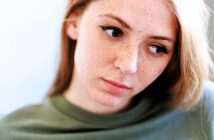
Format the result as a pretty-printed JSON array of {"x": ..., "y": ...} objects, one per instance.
[
  {"x": 128, "y": 27},
  {"x": 117, "y": 19},
  {"x": 162, "y": 38}
]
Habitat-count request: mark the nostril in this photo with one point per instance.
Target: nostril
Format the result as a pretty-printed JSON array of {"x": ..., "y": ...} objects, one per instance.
[{"x": 127, "y": 64}]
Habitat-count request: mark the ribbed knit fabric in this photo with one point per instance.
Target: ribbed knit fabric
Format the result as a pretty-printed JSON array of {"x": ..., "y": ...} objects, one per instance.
[{"x": 57, "y": 119}]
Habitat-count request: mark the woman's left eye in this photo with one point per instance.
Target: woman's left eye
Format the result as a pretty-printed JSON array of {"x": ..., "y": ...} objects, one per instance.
[
  {"x": 157, "y": 49},
  {"x": 112, "y": 31}
]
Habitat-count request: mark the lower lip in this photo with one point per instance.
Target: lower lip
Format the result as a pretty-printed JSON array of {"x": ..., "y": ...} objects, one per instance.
[{"x": 114, "y": 89}]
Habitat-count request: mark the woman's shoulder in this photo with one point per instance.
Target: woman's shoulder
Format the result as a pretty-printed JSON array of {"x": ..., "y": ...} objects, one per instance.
[
  {"x": 32, "y": 114},
  {"x": 23, "y": 114},
  {"x": 26, "y": 111},
  {"x": 29, "y": 115},
  {"x": 205, "y": 106},
  {"x": 17, "y": 120},
  {"x": 31, "y": 119},
  {"x": 201, "y": 117}
]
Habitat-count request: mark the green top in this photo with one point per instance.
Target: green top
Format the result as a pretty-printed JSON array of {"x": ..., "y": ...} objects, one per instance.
[{"x": 58, "y": 119}]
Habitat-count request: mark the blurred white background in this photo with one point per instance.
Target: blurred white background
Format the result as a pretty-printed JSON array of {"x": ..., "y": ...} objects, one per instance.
[{"x": 29, "y": 43}]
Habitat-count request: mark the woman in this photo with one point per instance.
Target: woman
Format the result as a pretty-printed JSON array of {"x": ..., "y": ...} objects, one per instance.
[{"x": 129, "y": 70}]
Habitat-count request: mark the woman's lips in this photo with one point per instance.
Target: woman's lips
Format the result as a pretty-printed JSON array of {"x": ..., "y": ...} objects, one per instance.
[{"x": 115, "y": 87}]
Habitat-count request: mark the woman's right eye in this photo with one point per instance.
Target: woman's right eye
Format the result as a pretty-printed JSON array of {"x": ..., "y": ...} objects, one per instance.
[{"x": 112, "y": 31}]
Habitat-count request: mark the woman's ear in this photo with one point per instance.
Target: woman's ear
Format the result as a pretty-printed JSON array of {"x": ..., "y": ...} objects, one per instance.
[{"x": 72, "y": 26}]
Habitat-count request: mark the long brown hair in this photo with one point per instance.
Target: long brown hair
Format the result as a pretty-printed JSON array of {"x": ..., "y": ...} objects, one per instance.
[
  {"x": 65, "y": 68},
  {"x": 174, "y": 86}
]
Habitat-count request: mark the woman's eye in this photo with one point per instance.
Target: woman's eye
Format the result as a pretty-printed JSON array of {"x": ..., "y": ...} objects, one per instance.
[
  {"x": 112, "y": 31},
  {"x": 156, "y": 49}
]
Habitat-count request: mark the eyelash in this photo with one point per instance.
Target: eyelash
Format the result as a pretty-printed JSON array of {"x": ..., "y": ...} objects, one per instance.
[
  {"x": 119, "y": 32},
  {"x": 160, "y": 49}
]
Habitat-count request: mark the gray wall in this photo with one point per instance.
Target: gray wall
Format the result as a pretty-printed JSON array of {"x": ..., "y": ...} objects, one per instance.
[
  {"x": 211, "y": 26},
  {"x": 29, "y": 38}
]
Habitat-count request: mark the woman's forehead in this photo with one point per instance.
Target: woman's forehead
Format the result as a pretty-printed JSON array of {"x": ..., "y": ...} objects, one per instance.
[
  {"x": 140, "y": 6},
  {"x": 140, "y": 15}
]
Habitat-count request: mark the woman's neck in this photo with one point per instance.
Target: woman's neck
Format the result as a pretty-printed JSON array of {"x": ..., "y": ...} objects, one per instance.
[{"x": 90, "y": 105}]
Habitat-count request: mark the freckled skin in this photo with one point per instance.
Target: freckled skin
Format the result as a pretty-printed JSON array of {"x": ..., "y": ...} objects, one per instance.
[{"x": 126, "y": 60}]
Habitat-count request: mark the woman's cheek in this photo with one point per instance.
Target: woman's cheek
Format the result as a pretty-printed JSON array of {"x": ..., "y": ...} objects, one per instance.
[{"x": 151, "y": 71}]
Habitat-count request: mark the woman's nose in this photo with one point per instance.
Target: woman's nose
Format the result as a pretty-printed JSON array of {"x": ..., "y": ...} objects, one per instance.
[{"x": 127, "y": 60}]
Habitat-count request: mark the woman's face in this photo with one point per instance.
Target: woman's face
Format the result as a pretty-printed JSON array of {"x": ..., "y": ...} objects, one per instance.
[{"x": 122, "y": 47}]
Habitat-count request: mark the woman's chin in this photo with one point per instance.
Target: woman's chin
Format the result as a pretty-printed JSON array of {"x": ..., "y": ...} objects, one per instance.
[{"x": 110, "y": 102}]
